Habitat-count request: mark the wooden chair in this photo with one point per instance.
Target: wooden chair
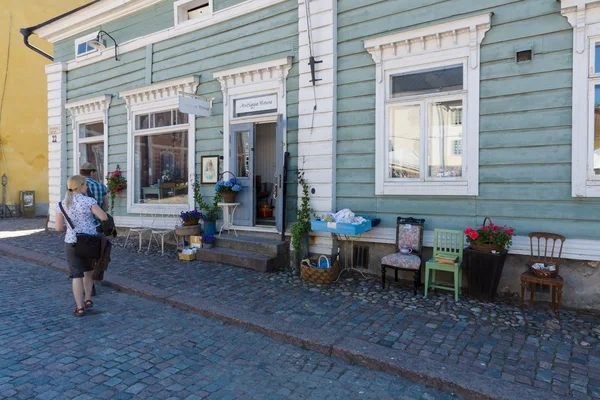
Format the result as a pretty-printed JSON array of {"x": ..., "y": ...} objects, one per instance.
[
  {"x": 543, "y": 248},
  {"x": 451, "y": 244},
  {"x": 409, "y": 232}
]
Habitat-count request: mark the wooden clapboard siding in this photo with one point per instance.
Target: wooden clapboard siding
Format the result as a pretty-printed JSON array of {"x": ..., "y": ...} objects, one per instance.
[
  {"x": 525, "y": 118},
  {"x": 149, "y": 20},
  {"x": 263, "y": 35}
]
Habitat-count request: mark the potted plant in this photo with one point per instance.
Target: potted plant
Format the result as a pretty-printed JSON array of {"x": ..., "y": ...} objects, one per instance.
[
  {"x": 301, "y": 228},
  {"x": 190, "y": 217},
  {"x": 228, "y": 189},
  {"x": 211, "y": 211},
  {"x": 115, "y": 184},
  {"x": 484, "y": 260},
  {"x": 208, "y": 241}
]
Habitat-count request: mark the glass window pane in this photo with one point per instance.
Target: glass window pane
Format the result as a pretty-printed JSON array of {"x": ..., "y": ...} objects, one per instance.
[
  {"x": 198, "y": 12},
  {"x": 445, "y": 133},
  {"x": 404, "y": 142},
  {"x": 93, "y": 153},
  {"x": 182, "y": 118},
  {"x": 81, "y": 48},
  {"x": 243, "y": 153},
  {"x": 142, "y": 121},
  {"x": 432, "y": 81},
  {"x": 91, "y": 130},
  {"x": 162, "y": 119},
  {"x": 596, "y": 145},
  {"x": 597, "y": 60},
  {"x": 160, "y": 168}
]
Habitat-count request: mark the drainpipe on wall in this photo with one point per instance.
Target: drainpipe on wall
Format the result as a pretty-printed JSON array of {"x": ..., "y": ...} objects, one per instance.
[{"x": 26, "y": 32}]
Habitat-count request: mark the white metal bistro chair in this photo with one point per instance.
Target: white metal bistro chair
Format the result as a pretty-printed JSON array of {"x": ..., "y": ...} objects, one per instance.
[
  {"x": 163, "y": 224},
  {"x": 143, "y": 227}
]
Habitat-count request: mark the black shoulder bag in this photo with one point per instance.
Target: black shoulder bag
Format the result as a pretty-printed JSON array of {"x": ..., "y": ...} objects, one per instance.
[{"x": 87, "y": 246}]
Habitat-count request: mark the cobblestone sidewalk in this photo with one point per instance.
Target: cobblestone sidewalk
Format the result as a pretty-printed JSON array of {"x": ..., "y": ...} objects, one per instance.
[
  {"x": 498, "y": 341},
  {"x": 127, "y": 347}
]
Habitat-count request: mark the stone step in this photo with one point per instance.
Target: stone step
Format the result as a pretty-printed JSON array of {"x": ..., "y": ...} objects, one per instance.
[
  {"x": 239, "y": 258},
  {"x": 254, "y": 244}
]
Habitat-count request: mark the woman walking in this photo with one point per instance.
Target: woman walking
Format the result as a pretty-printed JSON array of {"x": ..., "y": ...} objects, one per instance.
[{"x": 80, "y": 210}]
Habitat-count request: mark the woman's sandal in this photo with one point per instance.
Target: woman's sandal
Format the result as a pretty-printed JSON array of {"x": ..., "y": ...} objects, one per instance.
[
  {"x": 89, "y": 304},
  {"x": 78, "y": 312}
]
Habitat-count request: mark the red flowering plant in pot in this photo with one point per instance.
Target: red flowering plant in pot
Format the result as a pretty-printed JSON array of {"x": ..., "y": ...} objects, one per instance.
[
  {"x": 115, "y": 183},
  {"x": 490, "y": 237}
]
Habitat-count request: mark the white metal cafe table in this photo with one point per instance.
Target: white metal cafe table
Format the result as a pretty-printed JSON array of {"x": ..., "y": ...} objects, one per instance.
[{"x": 228, "y": 212}]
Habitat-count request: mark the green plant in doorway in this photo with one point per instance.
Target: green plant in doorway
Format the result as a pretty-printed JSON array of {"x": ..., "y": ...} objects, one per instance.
[
  {"x": 302, "y": 225},
  {"x": 211, "y": 211}
]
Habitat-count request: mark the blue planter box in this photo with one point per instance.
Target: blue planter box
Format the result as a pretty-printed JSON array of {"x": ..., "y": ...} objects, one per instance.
[{"x": 343, "y": 229}]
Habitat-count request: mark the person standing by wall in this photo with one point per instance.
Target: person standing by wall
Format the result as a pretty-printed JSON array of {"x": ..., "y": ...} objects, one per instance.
[
  {"x": 80, "y": 210},
  {"x": 96, "y": 188}
]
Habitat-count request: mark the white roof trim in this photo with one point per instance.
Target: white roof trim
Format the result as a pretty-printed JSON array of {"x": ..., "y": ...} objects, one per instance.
[
  {"x": 266, "y": 67},
  {"x": 90, "y": 17},
  {"x": 479, "y": 22},
  {"x": 576, "y": 3},
  {"x": 162, "y": 90},
  {"x": 95, "y": 104}
]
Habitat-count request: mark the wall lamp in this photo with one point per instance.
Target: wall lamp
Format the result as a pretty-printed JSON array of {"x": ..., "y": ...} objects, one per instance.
[{"x": 97, "y": 43}]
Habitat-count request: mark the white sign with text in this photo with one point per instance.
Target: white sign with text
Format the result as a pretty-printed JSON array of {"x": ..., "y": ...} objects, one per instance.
[
  {"x": 195, "y": 106},
  {"x": 256, "y": 105}
]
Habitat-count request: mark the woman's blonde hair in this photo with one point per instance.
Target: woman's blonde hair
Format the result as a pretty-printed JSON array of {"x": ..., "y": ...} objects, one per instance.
[{"x": 73, "y": 184}]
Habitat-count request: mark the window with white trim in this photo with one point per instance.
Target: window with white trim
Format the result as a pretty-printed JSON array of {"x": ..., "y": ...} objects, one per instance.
[
  {"x": 421, "y": 124},
  {"x": 91, "y": 146},
  {"x": 161, "y": 157},
  {"x": 82, "y": 47},
  {"x": 192, "y": 10},
  {"x": 585, "y": 143},
  {"x": 427, "y": 109}
]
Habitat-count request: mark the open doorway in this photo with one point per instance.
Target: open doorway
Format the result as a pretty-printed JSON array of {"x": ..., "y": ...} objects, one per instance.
[{"x": 265, "y": 168}]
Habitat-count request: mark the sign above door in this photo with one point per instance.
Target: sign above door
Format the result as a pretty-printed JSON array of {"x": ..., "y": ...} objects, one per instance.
[
  {"x": 195, "y": 105},
  {"x": 259, "y": 105}
]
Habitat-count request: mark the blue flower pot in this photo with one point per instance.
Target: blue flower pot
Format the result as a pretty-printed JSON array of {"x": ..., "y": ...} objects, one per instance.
[{"x": 210, "y": 227}]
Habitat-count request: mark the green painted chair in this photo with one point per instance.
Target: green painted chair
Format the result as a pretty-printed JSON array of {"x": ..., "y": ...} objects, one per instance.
[{"x": 446, "y": 243}]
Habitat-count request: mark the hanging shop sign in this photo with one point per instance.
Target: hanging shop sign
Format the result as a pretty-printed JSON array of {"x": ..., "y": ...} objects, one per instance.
[
  {"x": 195, "y": 105},
  {"x": 256, "y": 105}
]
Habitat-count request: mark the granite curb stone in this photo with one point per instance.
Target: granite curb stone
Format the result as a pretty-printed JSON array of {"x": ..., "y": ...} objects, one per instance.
[{"x": 370, "y": 355}]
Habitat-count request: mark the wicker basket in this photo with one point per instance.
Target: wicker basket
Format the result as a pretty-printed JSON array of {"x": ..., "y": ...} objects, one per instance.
[
  {"x": 320, "y": 275},
  {"x": 487, "y": 247},
  {"x": 542, "y": 273},
  {"x": 228, "y": 197}
]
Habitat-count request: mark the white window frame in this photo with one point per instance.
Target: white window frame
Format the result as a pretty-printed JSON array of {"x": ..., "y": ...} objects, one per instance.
[
  {"x": 435, "y": 46},
  {"x": 584, "y": 16},
  {"x": 181, "y": 8},
  {"x": 424, "y": 101},
  {"x": 85, "y": 112},
  {"x": 156, "y": 98},
  {"x": 87, "y": 54}
]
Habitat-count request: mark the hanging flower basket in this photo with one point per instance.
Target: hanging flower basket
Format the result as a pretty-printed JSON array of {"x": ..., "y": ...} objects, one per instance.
[{"x": 490, "y": 237}]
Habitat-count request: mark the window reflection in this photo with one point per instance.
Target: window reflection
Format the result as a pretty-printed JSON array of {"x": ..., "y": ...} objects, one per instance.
[{"x": 243, "y": 154}]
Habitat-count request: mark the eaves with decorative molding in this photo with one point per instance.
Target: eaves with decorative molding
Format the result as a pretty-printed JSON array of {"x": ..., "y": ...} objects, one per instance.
[
  {"x": 463, "y": 32},
  {"x": 254, "y": 73},
  {"x": 161, "y": 91},
  {"x": 87, "y": 106}
]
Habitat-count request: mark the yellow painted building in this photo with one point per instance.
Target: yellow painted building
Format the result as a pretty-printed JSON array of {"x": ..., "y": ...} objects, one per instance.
[{"x": 23, "y": 98}]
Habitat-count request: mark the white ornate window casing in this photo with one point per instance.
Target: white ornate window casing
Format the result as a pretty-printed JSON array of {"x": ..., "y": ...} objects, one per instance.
[
  {"x": 455, "y": 43},
  {"x": 584, "y": 16},
  {"x": 268, "y": 77},
  {"x": 82, "y": 49},
  {"x": 86, "y": 112},
  {"x": 188, "y": 12},
  {"x": 159, "y": 97}
]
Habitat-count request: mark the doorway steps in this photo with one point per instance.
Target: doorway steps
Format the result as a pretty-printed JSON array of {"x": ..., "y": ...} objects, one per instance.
[{"x": 253, "y": 252}]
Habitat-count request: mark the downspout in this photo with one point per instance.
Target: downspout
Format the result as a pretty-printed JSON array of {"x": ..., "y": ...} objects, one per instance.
[{"x": 26, "y": 32}]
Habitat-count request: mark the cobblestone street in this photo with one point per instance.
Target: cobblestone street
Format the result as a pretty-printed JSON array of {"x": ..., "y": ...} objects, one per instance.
[
  {"x": 129, "y": 347},
  {"x": 486, "y": 342}
]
